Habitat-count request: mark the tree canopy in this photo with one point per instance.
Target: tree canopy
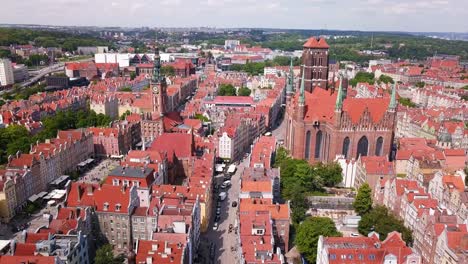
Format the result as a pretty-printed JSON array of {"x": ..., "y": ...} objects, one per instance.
[
  {"x": 227, "y": 90},
  {"x": 105, "y": 255},
  {"x": 406, "y": 102},
  {"x": 167, "y": 70},
  {"x": 16, "y": 138},
  {"x": 300, "y": 179},
  {"x": 362, "y": 77},
  {"x": 380, "y": 220},
  {"x": 308, "y": 233},
  {"x": 244, "y": 91},
  {"x": 363, "y": 202},
  {"x": 386, "y": 79}
]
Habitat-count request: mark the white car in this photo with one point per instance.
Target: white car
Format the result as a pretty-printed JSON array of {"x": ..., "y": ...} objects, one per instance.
[
  {"x": 226, "y": 184},
  {"x": 215, "y": 226},
  {"x": 354, "y": 235}
]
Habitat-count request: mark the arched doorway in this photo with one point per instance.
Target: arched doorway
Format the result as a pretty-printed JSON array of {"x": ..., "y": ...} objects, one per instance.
[
  {"x": 318, "y": 144},
  {"x": 362, "y": 147},
  {"x": 345, "y": 149},
  {"x": 307, "y": 146},
  {"x": 379, "y": 146}
]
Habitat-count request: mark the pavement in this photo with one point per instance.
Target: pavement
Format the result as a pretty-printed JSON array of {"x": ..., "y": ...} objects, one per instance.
[
  {"x": 222, "y": 239},
  {"x": 279, "y": 132},
  {"x": 99, "y": 172}
]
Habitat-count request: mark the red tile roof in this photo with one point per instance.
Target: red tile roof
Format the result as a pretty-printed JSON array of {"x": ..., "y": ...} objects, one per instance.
[
  {"x": 315, "y": 43},
  {"x": 98, "y": 196},
  {"x": 178, "y": 143},
  {"x": 27, "y": 259},
  {"x": 160, "y": 252}
]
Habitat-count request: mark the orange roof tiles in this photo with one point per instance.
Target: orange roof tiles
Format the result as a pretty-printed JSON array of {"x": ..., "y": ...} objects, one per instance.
[
  {"x": 315, "y": 43},
  {"x": 160, "y": 252},
  {"x": 256, "y": 186}
]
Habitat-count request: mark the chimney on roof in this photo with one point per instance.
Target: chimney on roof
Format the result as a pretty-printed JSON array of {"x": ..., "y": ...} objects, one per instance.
[{"x": 89, "y": 190}]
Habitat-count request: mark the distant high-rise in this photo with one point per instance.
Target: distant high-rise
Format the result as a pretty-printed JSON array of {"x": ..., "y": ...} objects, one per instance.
[
  {"x": 6, "y": 72},
  {"x": 315, "y": 64}
]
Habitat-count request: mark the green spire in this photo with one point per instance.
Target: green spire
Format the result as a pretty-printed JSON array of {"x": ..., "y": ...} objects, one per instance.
[
  {"x": 301, "y": 96},
  {"x": 339, "y": 97},
  {"x": 291, "y": 74},
  {"x": 290, "y": 83},
  {"x": 393, "y": 103}
]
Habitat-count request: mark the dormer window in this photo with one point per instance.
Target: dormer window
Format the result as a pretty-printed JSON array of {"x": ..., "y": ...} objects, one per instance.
[
  {"x": 106, "y": 206},
  {"x": 115, "y": 182},
  {"x": 126, "y": 183},
  {"x": 118, "y": 207}
]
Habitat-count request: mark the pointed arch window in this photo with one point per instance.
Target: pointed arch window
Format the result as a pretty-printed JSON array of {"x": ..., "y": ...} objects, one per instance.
[
  {"x": 318, "y": 144},
  {"x": 362, "y": 147},
  {"x": 345, "y": 149},
  {"x": 379, "y": 146},
  {"x": 307, "y": 146}
]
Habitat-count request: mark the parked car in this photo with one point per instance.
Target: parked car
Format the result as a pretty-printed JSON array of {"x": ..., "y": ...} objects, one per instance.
[
  {"x": 222, "y": 196},
  {"x": 226, "y": 184},
  {"x": 234, "y": 204},
  {"x": 215, "y": 226},
  {"x": 218, "y": 211},
  {"x": 354, "y": 234},
  {"x": 212, "y": 250}
]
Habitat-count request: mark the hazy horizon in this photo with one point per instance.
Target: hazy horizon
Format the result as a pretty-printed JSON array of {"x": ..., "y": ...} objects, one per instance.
[{"x": 363, "y": 15}]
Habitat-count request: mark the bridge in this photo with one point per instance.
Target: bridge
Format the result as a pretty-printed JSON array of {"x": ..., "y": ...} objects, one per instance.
[{"x": 39, "y": 74}]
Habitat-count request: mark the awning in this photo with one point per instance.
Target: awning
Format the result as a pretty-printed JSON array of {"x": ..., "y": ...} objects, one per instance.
[{"x": 33, "y": 198}]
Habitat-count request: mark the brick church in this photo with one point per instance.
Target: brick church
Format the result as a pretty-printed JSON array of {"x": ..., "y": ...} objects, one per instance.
[{"x": 323, "y": 122}]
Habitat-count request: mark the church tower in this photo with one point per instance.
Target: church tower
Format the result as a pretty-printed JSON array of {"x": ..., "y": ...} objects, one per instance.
[
  {"x": 158, "y": 87},
  {"x": 315, "y": 63}
]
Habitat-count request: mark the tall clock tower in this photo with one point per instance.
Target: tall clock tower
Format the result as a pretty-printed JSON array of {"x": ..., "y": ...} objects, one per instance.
[{"x": 158, "y": 87}]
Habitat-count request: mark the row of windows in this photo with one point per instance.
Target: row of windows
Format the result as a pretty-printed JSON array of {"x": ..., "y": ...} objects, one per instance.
[
  {"x": 362, "y": 146},
  {"x": 351, "y": 257}
]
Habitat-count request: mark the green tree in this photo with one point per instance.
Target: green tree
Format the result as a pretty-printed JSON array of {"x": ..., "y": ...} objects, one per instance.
[
  {"x": 299, "y": 205},
  {"x": 330, "y": 173},
  {"x": 308, "y": 233},
  {"x": 380, "y": 220},
  {"x": 132, "y": 75},
  {"x": 363, "y": 202},
  {"x": 168, "y": 70},
  {"x": 282, "y": 155},
  {"x": 406, "y": 102},
  {"x": 420, "y": 84},
  {"x": 362, "y": 77},
  {"x": 386, "y": 79},
  {"x": 105, "y": 255},
  {"x": 125, "y": 89},
  {"x": 124, "y": 115},
  {"x": 202, "y": 118},
  {"x": 226, "y": 90},
  {"x": 244, "y": 91}
]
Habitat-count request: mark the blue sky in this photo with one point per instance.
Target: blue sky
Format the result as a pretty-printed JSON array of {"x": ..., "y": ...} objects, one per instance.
[{"x": 388, "y": 15}]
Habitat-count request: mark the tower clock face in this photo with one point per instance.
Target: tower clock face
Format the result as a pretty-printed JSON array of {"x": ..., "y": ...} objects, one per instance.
[{"x": 155, "y": 89}]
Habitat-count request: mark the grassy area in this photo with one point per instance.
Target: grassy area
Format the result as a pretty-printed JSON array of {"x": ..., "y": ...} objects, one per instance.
[{"x": 75, "y": 58}]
